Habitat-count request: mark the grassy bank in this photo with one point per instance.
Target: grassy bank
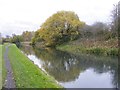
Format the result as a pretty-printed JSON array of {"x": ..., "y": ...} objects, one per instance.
[
  {"x": 107, "y": 48},
  {"x": 26, "y": 74},
  {"x": 0, "y": 66},
  {"x": 3, "y": 71}
]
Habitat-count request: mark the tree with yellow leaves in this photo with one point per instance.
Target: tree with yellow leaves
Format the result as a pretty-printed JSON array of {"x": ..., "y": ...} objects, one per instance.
[{"x": 61, "y": 27}]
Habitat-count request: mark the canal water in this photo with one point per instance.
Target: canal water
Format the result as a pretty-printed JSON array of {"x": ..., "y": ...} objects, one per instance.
[{"x": 75, "y": 71}]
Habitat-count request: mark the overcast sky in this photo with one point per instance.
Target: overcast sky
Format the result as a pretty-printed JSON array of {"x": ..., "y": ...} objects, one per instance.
[{"x": 17, "y": 16}]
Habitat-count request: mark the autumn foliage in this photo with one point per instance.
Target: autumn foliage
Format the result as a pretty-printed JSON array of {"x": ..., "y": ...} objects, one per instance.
[{"x": 59, "y": 28}]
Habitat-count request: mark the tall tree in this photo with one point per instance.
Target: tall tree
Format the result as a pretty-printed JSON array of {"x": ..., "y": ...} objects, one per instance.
[
  {"x": 27, "y": 35},
  {"x": 59, "y": 28},
  {"x": 115, "y": 19},
  {"x": 119, "y": 21}
]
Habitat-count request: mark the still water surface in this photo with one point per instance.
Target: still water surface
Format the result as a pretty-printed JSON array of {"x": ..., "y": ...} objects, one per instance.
[{"x": 75, "y": 71}]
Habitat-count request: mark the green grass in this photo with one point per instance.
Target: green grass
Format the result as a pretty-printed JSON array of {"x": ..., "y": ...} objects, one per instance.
[
  {"x": 26, "y": 74},
  {"x": 89, "y": 50},
  {"x": 0, "y": 66},
  {"x": 3, "y": 71}
]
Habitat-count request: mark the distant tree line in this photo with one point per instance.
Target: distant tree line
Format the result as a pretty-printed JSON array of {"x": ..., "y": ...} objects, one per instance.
[
  {"x": 26, "y": 36},
  {"x": 98, "y": 31},
  {"x": 104, "y": 31}
]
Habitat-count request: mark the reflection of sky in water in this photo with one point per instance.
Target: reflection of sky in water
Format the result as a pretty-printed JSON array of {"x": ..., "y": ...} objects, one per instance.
[
  {"x": 90, "y": 79},
  {"x": 87, "y": 79},
  {"x": 36, "y": 61},
  {"x": 76, "y": 72}
]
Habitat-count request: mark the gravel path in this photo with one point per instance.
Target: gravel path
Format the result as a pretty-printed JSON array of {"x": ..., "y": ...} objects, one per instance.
[{"x": 9, "y": 81}]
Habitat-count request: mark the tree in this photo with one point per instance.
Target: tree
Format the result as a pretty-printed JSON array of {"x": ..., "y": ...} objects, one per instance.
[
  {"x": 119, "y": 21},
  {"x": 59, "y": 28},
  {"x": 16, "y": 39},
  {"x": 27, "y": 35},
  {"x": 86, "y": 32},
  {"x": 115, "y": 19},
  {"x": 97, "y": 31}
]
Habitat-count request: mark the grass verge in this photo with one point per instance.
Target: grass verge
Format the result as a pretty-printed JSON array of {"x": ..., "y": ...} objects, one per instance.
[
  {"x": 26, "y": 74},
  {"x": 89, "y": 50},
  {"x": 3, "y": 71},
  {"x": 0, "y": 66}
]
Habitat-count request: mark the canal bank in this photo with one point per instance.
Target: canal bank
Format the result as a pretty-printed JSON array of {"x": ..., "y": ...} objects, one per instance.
[{"x": 26, "y": 74}]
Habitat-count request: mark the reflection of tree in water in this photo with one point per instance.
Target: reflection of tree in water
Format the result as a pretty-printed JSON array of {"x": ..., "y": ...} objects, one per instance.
[
  {"x": 28, "y": 50},
  {"x": 66, "y": 67},
  {"x": 61, "y": 65}
]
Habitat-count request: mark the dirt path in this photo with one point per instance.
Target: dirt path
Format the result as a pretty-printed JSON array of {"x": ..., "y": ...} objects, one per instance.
[{"x": 9, "y": 81}]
